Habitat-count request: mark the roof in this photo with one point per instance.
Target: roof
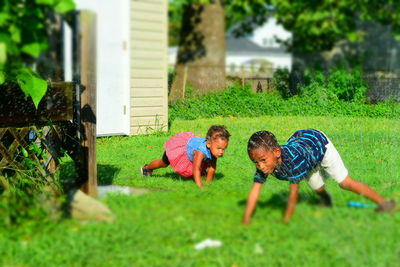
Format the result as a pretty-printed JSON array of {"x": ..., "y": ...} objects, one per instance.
[{"x": 243, "y": 45}]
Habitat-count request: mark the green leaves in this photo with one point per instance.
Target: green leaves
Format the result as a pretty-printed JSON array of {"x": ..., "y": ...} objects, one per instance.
[
  {"x": 23, "y": 37},
  {"x": 15, "y": 33},
  {"x": 355, "y": 36},
  {"x": 2, "y": 77},
  {"x": 3, "y": 53},
  {"x": 25, "y": 153},
  {"x": 7, "y": 43},
  {"x": 32, "y": 49},
  {"x": 60, "y": 6},
  {"x": 316, "y": 25},
  {"x": 32, "y": 85},
  {"x": 64, "y": 6},
  {"x": 4, "y": 17},
  {"x": 46, "y": 2}
]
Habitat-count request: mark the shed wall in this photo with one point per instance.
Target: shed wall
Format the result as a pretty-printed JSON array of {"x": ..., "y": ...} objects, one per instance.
[{"x": 149, "y": 81}]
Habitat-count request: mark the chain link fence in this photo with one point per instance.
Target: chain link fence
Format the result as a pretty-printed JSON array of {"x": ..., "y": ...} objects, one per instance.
[{"x": 382, "y": 86}]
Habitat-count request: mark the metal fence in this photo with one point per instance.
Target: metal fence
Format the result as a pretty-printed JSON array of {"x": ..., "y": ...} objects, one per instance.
[{"x": 382, "y": 88}]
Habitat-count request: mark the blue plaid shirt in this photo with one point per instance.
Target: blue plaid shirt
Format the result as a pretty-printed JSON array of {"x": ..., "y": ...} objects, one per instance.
[{"x": 304, "y": 150}]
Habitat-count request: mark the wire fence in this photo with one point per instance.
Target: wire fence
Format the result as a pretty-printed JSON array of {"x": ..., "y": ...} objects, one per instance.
[{"x": 382, "y": 88}]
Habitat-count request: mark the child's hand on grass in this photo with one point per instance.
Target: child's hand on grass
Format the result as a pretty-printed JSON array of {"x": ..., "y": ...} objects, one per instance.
[
  {"x": 203, "y": 187},
  {"x": 246, "y": 221},
  {"x": 286, "y": 219}
]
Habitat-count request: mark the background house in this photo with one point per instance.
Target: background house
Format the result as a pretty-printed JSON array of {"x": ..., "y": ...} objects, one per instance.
[
  {"x": 132, "y": 90},
  {"x": 259, "y": 52}
]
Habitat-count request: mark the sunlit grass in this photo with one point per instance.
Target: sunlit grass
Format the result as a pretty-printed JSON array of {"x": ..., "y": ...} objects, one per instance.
[{"x": 162, "y": 227}]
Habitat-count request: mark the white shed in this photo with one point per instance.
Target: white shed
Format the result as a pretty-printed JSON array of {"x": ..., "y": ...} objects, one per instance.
[{"x": 132, "y": 82}]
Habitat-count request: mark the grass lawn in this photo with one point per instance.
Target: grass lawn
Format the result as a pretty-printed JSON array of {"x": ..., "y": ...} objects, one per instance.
[{"x": 162, "y": 227}]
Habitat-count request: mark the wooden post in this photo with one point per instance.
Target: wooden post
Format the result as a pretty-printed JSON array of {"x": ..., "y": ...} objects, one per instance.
[
  {"x": 242, "y": 78},
  {"x": 88, "y": 100},
  {"x": 185, "y": 70}
]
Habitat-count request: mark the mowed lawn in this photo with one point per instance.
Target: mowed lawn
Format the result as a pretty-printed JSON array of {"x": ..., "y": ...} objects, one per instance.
[{"x": 161, "y": 228}]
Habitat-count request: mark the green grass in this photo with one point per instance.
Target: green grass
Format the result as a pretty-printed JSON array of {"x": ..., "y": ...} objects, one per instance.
[{"x": 162, "y": 227}]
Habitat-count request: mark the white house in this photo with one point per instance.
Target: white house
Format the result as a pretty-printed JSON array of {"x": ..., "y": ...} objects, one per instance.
[
  {"x": 132, "y": 83},
  {"x": 260, "y": 47}
]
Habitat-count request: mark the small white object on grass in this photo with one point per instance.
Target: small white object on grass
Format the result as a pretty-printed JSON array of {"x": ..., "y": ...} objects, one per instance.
[
  {"x": 258, "y": 249},
  {"x": 207, "y": 243},
  {"x": 103, "y": 190}
]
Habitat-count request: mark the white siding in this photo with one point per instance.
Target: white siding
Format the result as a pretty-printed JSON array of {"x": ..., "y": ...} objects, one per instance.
[
  {"x": 265, "y": 36},
  {"x": 149, "y": 81}
]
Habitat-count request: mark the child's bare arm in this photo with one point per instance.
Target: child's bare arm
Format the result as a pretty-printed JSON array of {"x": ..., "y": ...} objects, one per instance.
[
  {"x": 197, "y": 159},
  {"x": 293, "y": 196},
  {"x": 211, "y": 170},
  {"x": 251, "y": 202}
]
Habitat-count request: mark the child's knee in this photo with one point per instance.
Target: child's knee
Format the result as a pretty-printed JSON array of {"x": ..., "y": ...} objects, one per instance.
[
  {"x": 164, "y": 165},
  {"x": 346, "y": 183}
]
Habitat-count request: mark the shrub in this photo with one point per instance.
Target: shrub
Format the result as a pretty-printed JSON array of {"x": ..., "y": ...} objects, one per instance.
[
  {"x": 242, "y": 102},
  {"x": 28, "y": 197},
  {"x": 29, "y": 193},
  {"x": 281, "y": 82},
  {"x": 346, "y": 85}
]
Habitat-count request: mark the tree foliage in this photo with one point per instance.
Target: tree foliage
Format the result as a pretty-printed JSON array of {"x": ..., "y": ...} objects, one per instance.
[
  {"x": 23, "y": 38},
  {"x": 316, "y": 24}
]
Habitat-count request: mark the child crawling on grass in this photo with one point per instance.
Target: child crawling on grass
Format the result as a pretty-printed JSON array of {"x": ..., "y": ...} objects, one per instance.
[
  {"x": 192, "y": 156},
  {"x": 308, "y": 155}
]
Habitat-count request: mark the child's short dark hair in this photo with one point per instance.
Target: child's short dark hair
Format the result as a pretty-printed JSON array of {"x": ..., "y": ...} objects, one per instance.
[
  {"x": 218, "y": 131},
  {"x": 263, "y": 139}
]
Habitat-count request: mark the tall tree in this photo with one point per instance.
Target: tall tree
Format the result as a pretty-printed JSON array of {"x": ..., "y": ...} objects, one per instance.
[{"x": 201, "y": 53}]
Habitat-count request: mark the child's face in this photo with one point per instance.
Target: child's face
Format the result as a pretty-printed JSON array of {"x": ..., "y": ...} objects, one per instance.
[
  {"x": 266, "y": 161},
  {"x": 217, "y": 146}
]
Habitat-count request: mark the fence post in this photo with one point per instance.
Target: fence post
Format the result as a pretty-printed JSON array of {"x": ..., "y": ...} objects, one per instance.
[
  {"x": 88, "y": 100},
  {"x": 242, "y": 78},
  {"x": 185, "y": 70}
]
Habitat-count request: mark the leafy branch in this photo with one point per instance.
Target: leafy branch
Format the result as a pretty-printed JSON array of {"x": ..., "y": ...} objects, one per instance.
[{"x": 23, "y": 38}]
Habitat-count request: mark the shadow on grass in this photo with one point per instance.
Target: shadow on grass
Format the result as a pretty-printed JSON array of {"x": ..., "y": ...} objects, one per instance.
[
  {"x": 279, "y": 200},
  {"x": 176, "y": 176},
  {"x": 69, "y": 179},
  {"x": 106, "y": 174}
]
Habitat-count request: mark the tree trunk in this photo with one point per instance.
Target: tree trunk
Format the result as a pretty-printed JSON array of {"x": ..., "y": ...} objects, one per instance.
[{"x": 201, "y": 53}]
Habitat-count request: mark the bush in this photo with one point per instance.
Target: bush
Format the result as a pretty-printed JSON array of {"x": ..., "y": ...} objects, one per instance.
[
  {"x": 29, "y": 193},
  {"x": 242, "y": 102},
  {"x": 282, "y": 84},
  {"x": 346, "y": 85},
  {"x": 28, "y": 197}
]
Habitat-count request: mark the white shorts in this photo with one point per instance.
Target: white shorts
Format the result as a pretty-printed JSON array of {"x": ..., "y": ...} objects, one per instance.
[{"x": 331, "y": 166}]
